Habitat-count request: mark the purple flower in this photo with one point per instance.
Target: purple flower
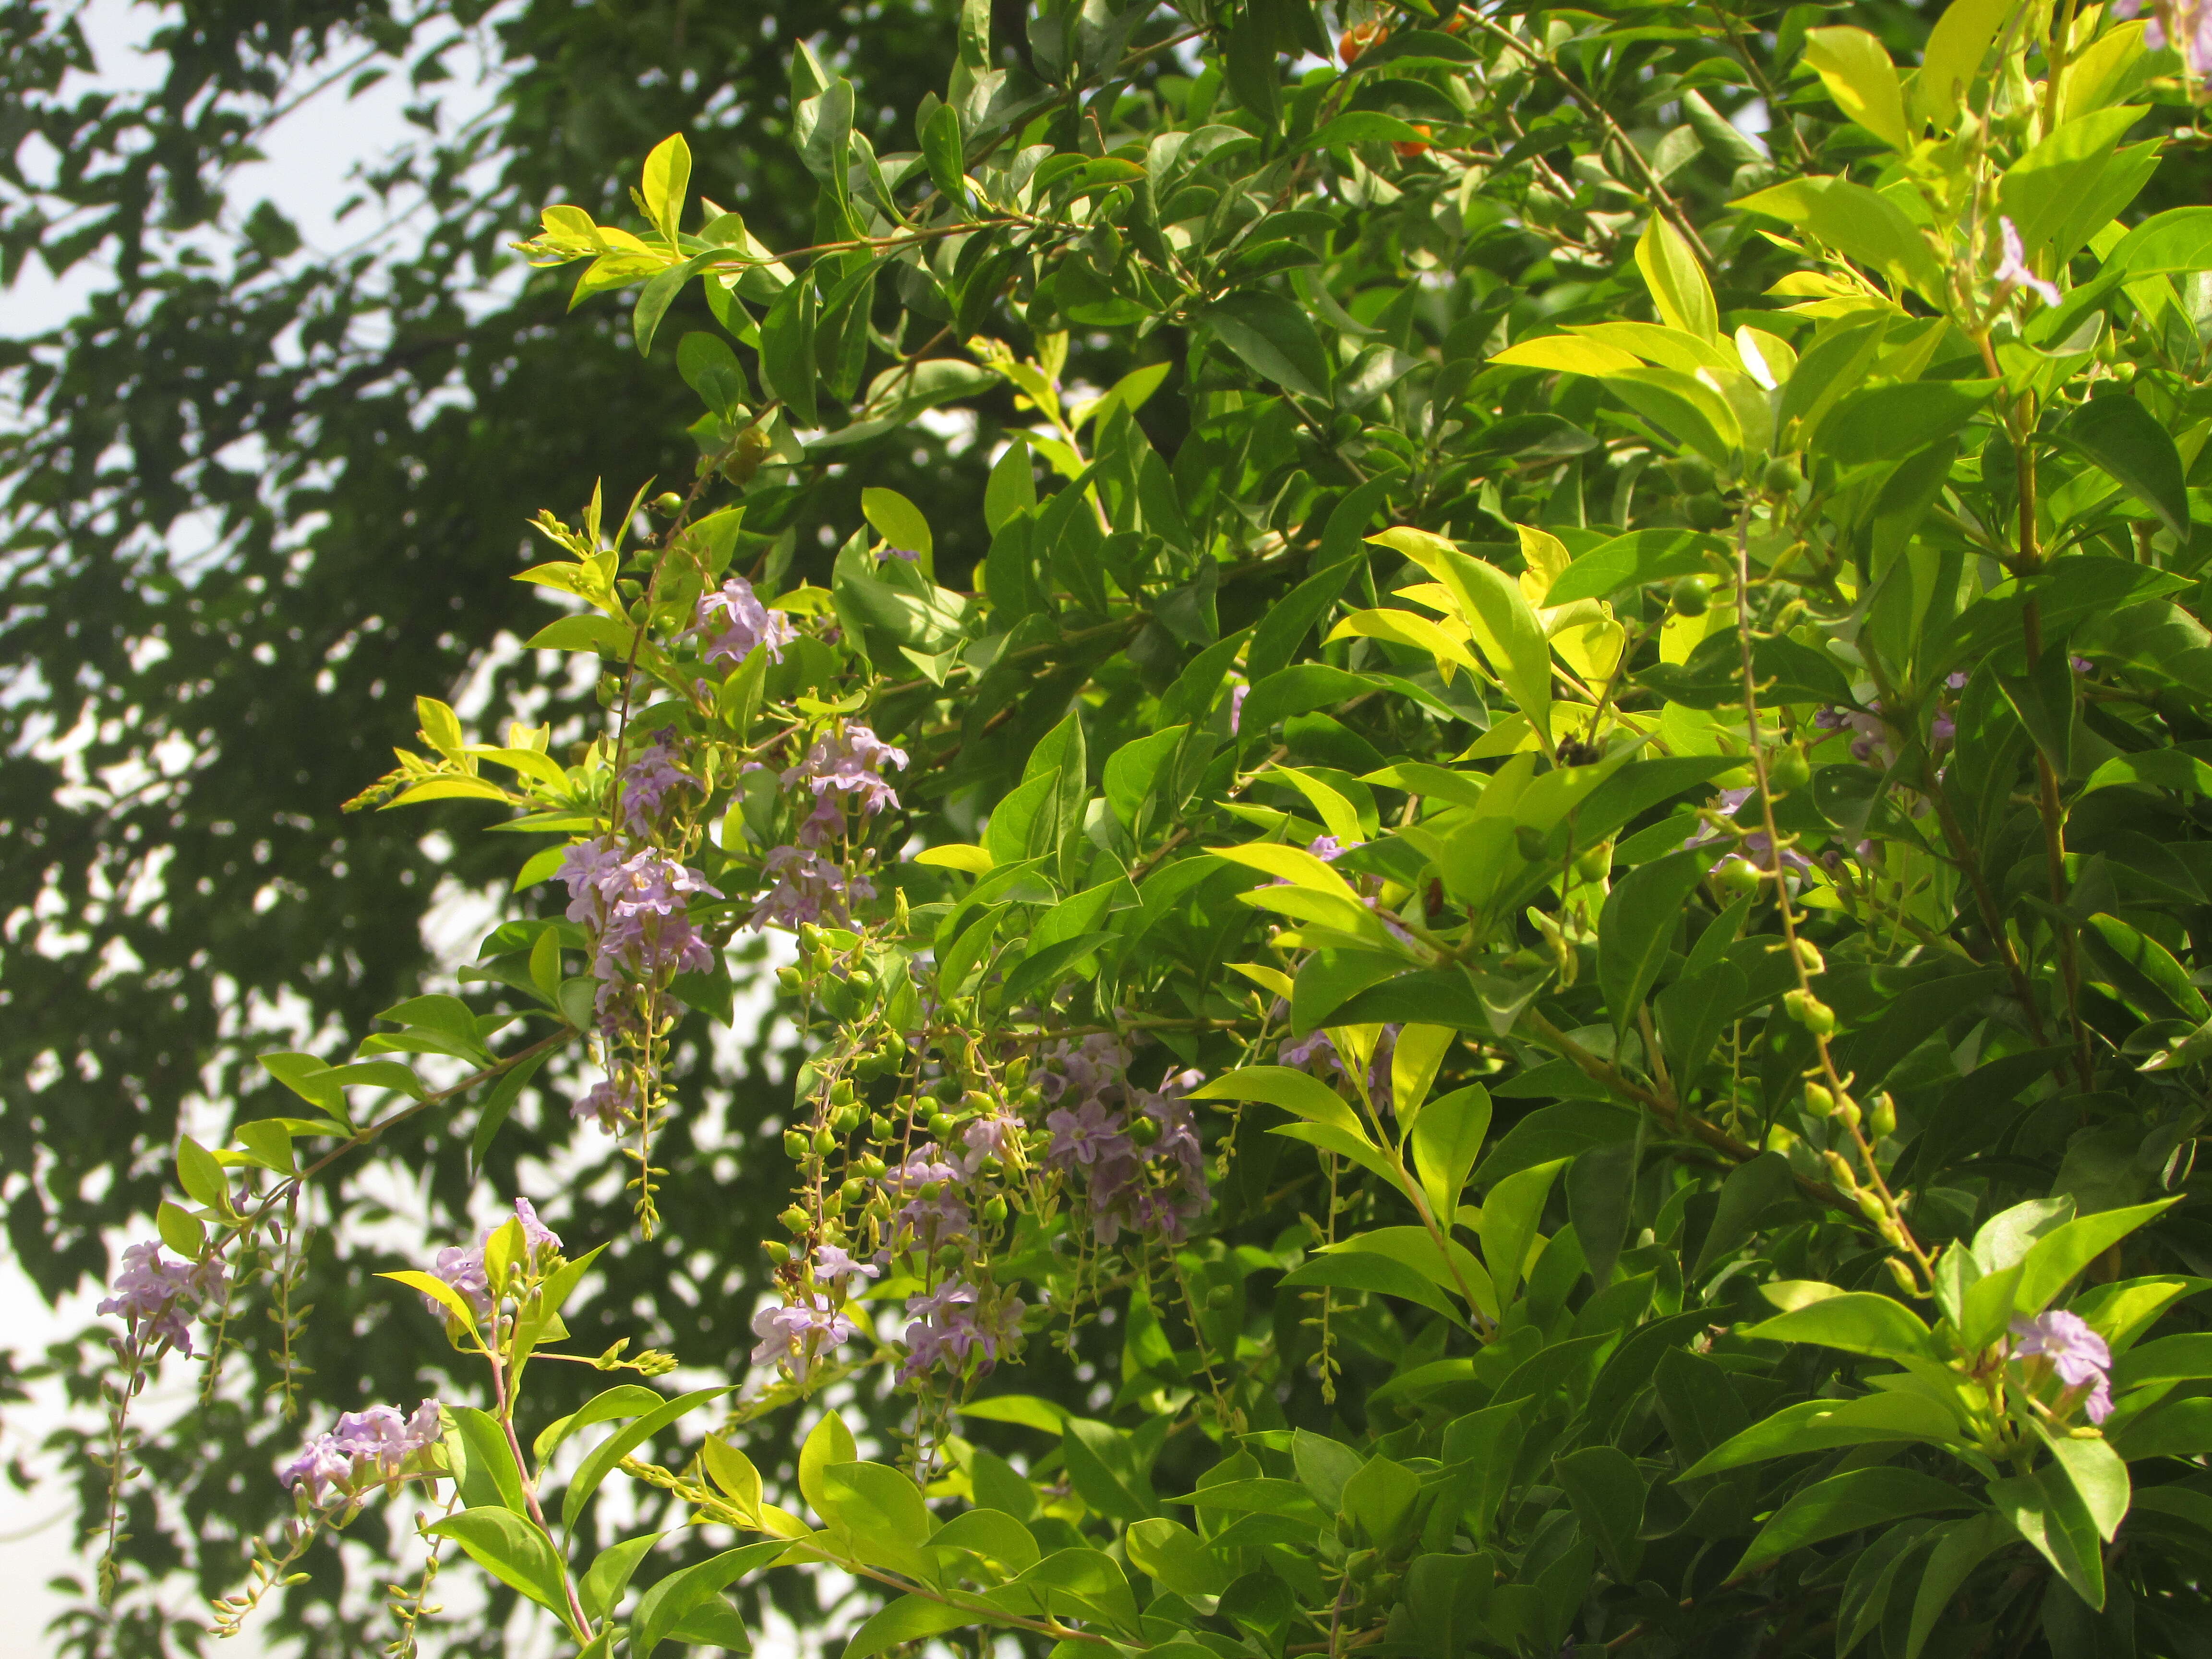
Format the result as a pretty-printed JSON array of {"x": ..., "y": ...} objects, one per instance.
[
  {"x": 1236, "y": 707},
  {"x": 462, "y": 1267},
  {"x": 607, "y": 1102},
  {"x": 151, "y": 1289},
  {"x": 648, "y": 780},
  {"x": 1084, "y": 1136},
  {"x": 535, "y": 1233},
  {"x": 366, "y": 1446},
  {"x": 799, "y": 1336},
  {"x": 1758, "y": 847},
  {"x": 952, "y": 1323},
  {"x": 808, "y": 888},
  {"x": 851, "y": 758},
  {"x": 905, "y": 555},
  {"x": 2063, "y": 1345},
  {"x": 2081, "y": 665},
  {"x": 1957, "y": 679},
  {"x": 835, "y": 1267},
  {"x": 2012, "y": 270},
  {"x": 987, "y": 1139},
  {"x": 934, "y": 1209},
  {"x": 744, "y": 623},
  {"x": 1315, "y": 1053}
]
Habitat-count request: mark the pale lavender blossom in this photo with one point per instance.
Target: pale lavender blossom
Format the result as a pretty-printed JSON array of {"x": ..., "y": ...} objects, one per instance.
[
  {"x": 835, "y": 1267},
  {"x": 2190, "y": 19},
  {"x": 1871, "y": 734},
  {"x": 808, "y": 888},
  {"x": 987, "y": 1138},
  {"x": 799, "y": 1336},
  {"x": 1942, "y": 729},
  {"x": 744, "y": 622},
  {"x": 904, "y": 554},
  {"x": 2013, "y": 272},
  {"x": 607, "y": 1102},
  {"x": 932, "y": 1203},
  {"x": 951, "y": 1324},
  {"x": 2063, "y": 1344},
  {"x": 646, "y": 781},
  {"x": 1236, "y": 707},
  {"x": 847, "y": 761},
  {"x": 462, "y": 1269},
  {"x": 1084, "y": 1136},
  {"x": 152, "y": 1288},
  {"x": 367, "y": 1446},
  {"x": 1316, "y": 1053}
]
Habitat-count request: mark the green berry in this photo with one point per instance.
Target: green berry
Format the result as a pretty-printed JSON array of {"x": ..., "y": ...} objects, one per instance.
[{"x": 1693, "y": 595}]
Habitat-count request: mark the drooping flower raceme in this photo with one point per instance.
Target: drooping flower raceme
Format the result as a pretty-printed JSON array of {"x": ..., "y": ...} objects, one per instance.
[
  {"x": 1756, "y": 848},
  {"x": 1316, "y": 1053},
  {"x": 634, "y": 907},
  {"x": 845, "y": 767},
  {"x": 808, "y": 888},
  {"x": 800, "y": 1335},
  {"x": 152, "y": 1291},
  {"x": 2062, "y": 1345},
  {"x": 648, "y": 780},
  {"x": 367, "y": 1447},
  {"x": 1136, "y": 1151},
  {"x": 736, "y": 622},
  {"x": 954, "y": 1323}
]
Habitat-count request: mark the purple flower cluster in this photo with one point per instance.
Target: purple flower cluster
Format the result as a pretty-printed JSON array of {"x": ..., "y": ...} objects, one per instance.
[
  {"x": 953, "y": 1323},
  {"x": 2062, "y": 1345},
  {"x": 808, "y": 888},
  {"x": 151, "y": 1289},
  {"x": 1154, "y": 1182},
  {"x": 932, "y": 1198},
  {"x": 634, "y": 908},
  {"x": 845, "y": 766},
  {"x": 1316, "y": 1053},
  {"x": 2190, "y": 21},
  {"x": 607, "y": 1102},
  {"x": 800, "y": 1335},
  {"x": 365, "y": 1447},
  {"x": 1756, "y": 848},
  {"x": 646, "y": 781},
  {"x": 1871, "y": 736},
  {"x": 736, "y": 622},
  {"x": 462, "y": 1266}
]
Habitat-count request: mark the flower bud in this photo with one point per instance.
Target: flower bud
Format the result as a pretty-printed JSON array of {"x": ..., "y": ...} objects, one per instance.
[
  {"x": 788, "y": 978},
  {"x": 994, "y": 1208},
  {"x": 1870, "y": 1205},
  {"x": 1809, "y": 957},
  {"x": 1817, "y": 1100},
  {"x": 1840, "y": 1168},
  {"x": 1848, "y": 1109},
  {"x": 1145, "y": 1130},
  {"x": 1808, "y": 1011},
  {"x": 1902, "y": 1274},
  {"x": 795, "y": 1220},
  {"x": 1884, "y": 1122},
  {"x": 1787, "y": 770},
  {"x": 776, "y": 1250}
]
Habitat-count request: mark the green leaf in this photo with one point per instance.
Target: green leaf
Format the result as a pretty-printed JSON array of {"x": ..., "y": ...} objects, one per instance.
[
  {"x": 1848, "y": 1503},
  {"x": 1684, "y": 408},
  {"x": 787, "y": 352},
  {"x": 511, "y": 1549},
  {"x": 2045, "y": 1509},
  {"x": 1887, "y": 422},
  {"x": 943, "y": 150},
  {"x": 1011, "y": 487},
  {"x": 666, "y": 1605},
  {"x": 495, "y": 1479},
  {"x": 1510, "y": 1213},
  {"x": 909, "y": 1618},
  {"x": 500, "y": 1102},
  {"x": 1859, "y": 75},
  {"x": 602, "y": 1587},
  {"x": 602, "y": 1457},
  {"x": 2100, "y": 1478},
  {"x": 1295, "y": 1091},
  {"x": 667, "y": 182},
  {"x": 996, "y": 1537},
  {"x": 1636, "y": 929},
  {"x": 1175, "y": 1556},
  {"x": 1961, "y": 1547},
  {"x": 1857, "y": 1322},
  {"x": 1380, "y": 1497},
  {"x": 1820, "y": 1425},
  {"x": 899, "y": 522},
  {"x": 1275, "y": 340},
  {"x": 610, "y": 1405},
  {"x": 1362, "y": 1270},
  {"x": 1752, "y": 1188},
  {"x": 830, "y": 1442},
  {"x": 1631, "y": 561},
  {"x": 1680, "y": 292},
  {"x": 1447, "y": 1138},
  {"x": 2051, "y": 1265},
  {"x": 1608, "y": 1492},
  {"x": 2119, "y": 435}
]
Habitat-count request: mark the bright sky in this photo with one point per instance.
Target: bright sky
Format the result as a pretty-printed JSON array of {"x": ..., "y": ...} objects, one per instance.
[{"x": 310, "y": 154}]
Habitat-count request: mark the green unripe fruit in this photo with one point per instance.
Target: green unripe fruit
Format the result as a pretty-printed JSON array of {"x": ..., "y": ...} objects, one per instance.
[
  {"x": 788, "y": 977},
  {"x": 826, "y": 1141},
  {"x": 840, "y": 1093},
  {"x": 1595, "y": 863},
  {"x": 1530, "y": 841},
  {"x": 1706, "y": 511},
  {"x": 1848, "y": 1110},
  {"x": 975, "y": 1102},
  {"x": 1781, "y": 476},
  {"x": 1145, "y": 1130},
  {"x": 854, "y": 1192},
  {"x": 1883, "y": 1122},
  {"x": 994, "y": 1208},
  {"x": 795, "y": 1220},
  {"x": 1693, "y": 595},
  {"x": 794, "y": 1146},
  {"x": 947, "y": 1089},
  {"x": 776, "y": 1251},
  {"x": 1017, "y": 1069},
  {"x": 1690, "y": 474},
  {"x": 873, "y": 1167},
  {"x": 668, "y": 503},
  {"x": 951, "y": 1255},
  {"x": 1817, "y": 1100},
  {"x": 847, "y": 1120},
  {"x": 879, "y": 1126},
  {"x": 942, "y": 1128},
  {"x": 1737, "y": 877},
  {"x": 1789, "y": 771}
]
